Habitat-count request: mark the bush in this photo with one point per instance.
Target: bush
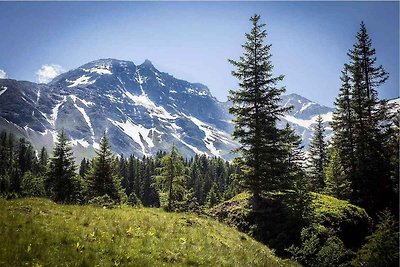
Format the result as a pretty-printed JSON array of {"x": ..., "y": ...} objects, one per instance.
[
  {"x": 349, "y": 222},
  {"x": 32, "y": 185},
  {"x": 134, "y": 200},
  {"x": 320, "y": 247},
  {"x": 277, "y": 224},
  {"x": 102, "y": 201},
  {"x": 382, "y": 247}
]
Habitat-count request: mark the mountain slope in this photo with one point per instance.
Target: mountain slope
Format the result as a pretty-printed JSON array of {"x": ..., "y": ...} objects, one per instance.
[
  {"x": 38, "y": 232},
  {"x": 141, "y": 109}
]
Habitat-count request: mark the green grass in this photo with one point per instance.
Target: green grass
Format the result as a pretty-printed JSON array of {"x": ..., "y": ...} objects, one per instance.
[{"x": 38, "y": 232}]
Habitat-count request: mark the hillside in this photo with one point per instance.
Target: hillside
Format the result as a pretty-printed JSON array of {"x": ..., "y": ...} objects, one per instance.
[
  {"x": 41, "y": 233},
  {"x": 277, "y": 226}
]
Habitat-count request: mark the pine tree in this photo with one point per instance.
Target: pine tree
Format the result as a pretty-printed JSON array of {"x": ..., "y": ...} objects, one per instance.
[
  {"x": 212, "y": 196},
  {"x": 172, "y": 177},
  {"x": 131, "y": 175},
  {"x": 382, "y": 247},
  {"x": 84, "y": 167},
  {"x": 371, "y": 178},
  {"x": 318, "y": 155},
  {"x": 61, "y": 174},
  {"x": 337, "y": 184},
  {"x": 343, "y": 126},
  {"x": 294, "y": 157},
  {"x": 103, "y": 178},
  {"x": 43, "y": 160},
  {"x": 256, "y": 106}
]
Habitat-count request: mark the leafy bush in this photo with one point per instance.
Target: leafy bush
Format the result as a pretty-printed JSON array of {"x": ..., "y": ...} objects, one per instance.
[
  {"x": 32, "y": 185},
  {"x": 134, "y": 200},
  {"x": 382, "y": 247},
  {"x": 102, "y": 201},
  {"x": 320, "y": 247},
  {"x": 349, "y": 222}
]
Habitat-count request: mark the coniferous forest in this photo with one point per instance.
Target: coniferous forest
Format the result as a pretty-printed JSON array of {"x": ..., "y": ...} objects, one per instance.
[{"x": 335, "y": 203}]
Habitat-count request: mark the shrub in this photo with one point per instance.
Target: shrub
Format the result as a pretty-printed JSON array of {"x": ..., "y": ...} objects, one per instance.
[
  {"x": 382, "y": 247},
  {"x": 102, "y": 201},
  {"x": 134, "y": 200},
  {"x": 320, "y": 247},
  {"x": 32, "y": 185}
]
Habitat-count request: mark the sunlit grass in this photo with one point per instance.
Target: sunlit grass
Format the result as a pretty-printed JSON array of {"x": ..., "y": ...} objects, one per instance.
[{"x": 40, "y": 232}]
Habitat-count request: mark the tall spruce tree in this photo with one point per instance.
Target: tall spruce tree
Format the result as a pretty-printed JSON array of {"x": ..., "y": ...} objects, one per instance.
[
  {"x": 103, "y": 176},
  {"x": 256, "y": 109},
  {"x": 61, "y": 174},
  {"x": 318, "y": 156},
  {"x": 343, "y": 126},
  {"x": 43, "y": 160},
  {"x": 371, "y": 177}
]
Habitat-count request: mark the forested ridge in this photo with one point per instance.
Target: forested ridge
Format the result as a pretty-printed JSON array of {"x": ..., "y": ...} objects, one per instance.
[{"x": 355, "y": 174}]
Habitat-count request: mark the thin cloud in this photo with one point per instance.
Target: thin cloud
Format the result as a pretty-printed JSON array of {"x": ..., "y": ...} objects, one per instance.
[
  {"x": 3, "y": 74},
  {"x": 47, "y": 72}
]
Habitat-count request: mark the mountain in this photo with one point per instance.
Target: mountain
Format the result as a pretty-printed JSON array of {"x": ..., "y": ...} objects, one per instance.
[
  {"x": 303, "y": 116},
  {"x": 141, "y": 109}
]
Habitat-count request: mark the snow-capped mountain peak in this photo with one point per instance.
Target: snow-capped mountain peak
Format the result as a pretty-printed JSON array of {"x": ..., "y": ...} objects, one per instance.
[{"x": 142, "y": 109}]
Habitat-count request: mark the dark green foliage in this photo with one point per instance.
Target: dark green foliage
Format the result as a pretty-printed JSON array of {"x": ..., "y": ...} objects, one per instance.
[
  {"x": 32, "y": 185},
  {"x": 360, "y": 123},
  {"x": 212, "y": 197},
  {"x": 336, "y": 182},
  {"x": 61, "y": 180},
  {"x": 382, "y": 247},
  {"x": 134, "y": 200},
  {"x": 343, "y": 126},
  {"x": 171, "y": 178},
  {"x": 102, "y": 201},
  {"x": 84, "y": 167},
  {"x": 320, "y": 247},
  {"x": 103, "y": 178},
  {"x": 256, "y": 108},
  {"x": 278, "y": 226},
  {"x": 318, "y": 156},
  {"x": 293, "y": 158}
]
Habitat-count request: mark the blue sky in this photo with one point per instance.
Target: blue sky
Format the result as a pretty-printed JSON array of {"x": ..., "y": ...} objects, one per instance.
[{"x": 193, "y": 40}]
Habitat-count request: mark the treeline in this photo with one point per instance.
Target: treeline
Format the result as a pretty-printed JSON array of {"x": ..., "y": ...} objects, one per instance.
[{"x": 107, "y": 178}]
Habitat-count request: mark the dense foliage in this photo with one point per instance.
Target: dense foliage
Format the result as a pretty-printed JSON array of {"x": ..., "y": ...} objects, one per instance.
[{"x": 199, "y": 181}]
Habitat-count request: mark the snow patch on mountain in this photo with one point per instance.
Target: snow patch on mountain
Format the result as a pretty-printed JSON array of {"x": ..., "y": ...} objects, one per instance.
[
  {"x": 308, "y": 123},
  {"x": 83, "y": 80},
  {"x": 144, "y": 100},
  {"x": 83, "y": 101},
  {"x": 305, "y": 106},
  {"x": 193, "y": 148},
  {"x": 99, "y": 70},
  {"x": 54, "y": 112},
  {"x": 210, "y": 136},
  {"x": 137, "y": 132},
  {"x": 81, "y": 142},
  {"x": 86, "y": 117},
  {"x": 4, "y": 88}
]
